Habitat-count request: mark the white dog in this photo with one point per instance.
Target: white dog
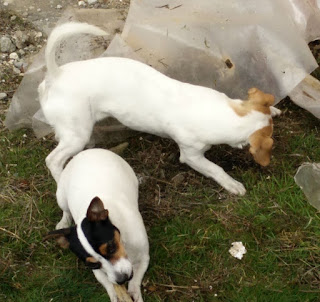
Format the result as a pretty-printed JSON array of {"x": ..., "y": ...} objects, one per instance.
[
  {"x": 99, "y": 190},
  {"x": 73, "y": 97}
]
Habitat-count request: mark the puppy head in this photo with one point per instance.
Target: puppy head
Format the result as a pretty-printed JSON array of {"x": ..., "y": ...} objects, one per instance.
[
  {"x": 97, "y": 242},
  {"x": 261, "y": 145}
]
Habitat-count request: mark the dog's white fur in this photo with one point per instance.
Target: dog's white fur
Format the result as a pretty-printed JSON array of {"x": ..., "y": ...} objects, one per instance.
[
  {"x": 76, "y": 95},
  {"x": 98, "y": 172}
]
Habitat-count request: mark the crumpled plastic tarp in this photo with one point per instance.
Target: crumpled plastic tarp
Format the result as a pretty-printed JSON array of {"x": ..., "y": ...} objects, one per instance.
[
  {"x": 308, "y": 179},
  {"x": 226, "y": 45}
]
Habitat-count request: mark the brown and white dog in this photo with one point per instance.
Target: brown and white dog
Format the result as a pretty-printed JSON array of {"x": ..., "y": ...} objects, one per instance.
[
  {"x": 76, "y": 95},
  {"x": 99, "y": 191}
]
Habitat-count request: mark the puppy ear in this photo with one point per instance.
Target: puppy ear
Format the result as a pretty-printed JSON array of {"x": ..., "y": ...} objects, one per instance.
[
  {"x": 257, "y": 96},
  {"x": 96, "y": 210},
  {"x": 260, "y": 148},
  {"x": 60, "y": 236},
  {"x": 92, "y": 263}
]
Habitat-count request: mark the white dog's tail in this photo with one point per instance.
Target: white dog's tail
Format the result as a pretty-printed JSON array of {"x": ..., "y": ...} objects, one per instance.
[{"x": 62, "y": 32}]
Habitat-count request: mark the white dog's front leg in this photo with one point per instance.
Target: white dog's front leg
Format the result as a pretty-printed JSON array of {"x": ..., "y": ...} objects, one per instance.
[
  {"x": 275, "y": 111},
  {"x": 134, "y": 287},
  {"x": 103, "y": 279},
  {"x": 65, "y": 221},
  {"x": 196, "y": 160}
]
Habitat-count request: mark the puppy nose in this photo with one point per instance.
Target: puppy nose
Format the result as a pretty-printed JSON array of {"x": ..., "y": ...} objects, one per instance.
[{"x": 121, "y": 279}]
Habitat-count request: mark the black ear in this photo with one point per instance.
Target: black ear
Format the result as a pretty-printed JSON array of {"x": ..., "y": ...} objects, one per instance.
[
  {"x": 96, "y": 210},
  {"x": 92, "y": 263},
  {"x": 61, "y": 236}
]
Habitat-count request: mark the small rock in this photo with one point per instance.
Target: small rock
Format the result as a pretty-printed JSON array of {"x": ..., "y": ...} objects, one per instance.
[
  {"x": 59, "y": 6},
  {"x": 91, "y": 1},
  {"x": 21, "y": 52},
  {"x": 39, "y": 10},
  {"x": 178, "y": 179},
  {"x": 38, "y": 35},
  {"x": 6, "y": 45},
  {"x": 25, "y": 14},
  {"x": 3, "y": 95},
  {"x": 5, "y": 3},
  {"x": 20, "y": 38},
  {"x": 4, "y": 56},
  {"x": 12, "y": 18},
  {"x": 81, "y": 3},
  {"x": 14, "y": 56},
  {"x": 18, "y": 64},
  {"x": 16, "y": 70}
]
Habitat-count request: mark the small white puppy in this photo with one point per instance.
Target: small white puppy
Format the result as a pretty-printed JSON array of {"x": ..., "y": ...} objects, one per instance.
[
  {"x": 76, "y": 95},
  {"x": 99, "y": 190}
]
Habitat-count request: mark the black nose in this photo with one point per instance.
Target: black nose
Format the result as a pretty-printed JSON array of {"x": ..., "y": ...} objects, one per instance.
[{"x": 122, "y": 278}]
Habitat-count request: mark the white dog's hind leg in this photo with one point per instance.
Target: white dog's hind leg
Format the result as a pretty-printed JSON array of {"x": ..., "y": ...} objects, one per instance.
[
  {"x": 66, "y": 149},
  {"x": 196, "y": 160},
  {"x": 103, "y": 279},
  {"x": 134, "y": 287}
]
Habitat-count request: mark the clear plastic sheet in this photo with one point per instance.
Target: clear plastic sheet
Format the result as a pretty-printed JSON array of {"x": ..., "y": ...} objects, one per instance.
[
  {"x": 226, "y": 45},
  {"x": 308, "y": 179}
]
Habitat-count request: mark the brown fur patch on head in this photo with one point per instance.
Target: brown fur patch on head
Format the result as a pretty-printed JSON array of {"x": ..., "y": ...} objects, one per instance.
[
  {"x": 120, "y": 251},
  {"x": 257, "y": 100},
  {"x": 96, "y": 211},
  {"x": 261, "y": 145},
  {"x": 103, "y": 249}
]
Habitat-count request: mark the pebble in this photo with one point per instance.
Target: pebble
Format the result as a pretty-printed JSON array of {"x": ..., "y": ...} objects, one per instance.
[
  {"x": 81, "y": 3},
  {"x": 12, "y": 18},
  {"x": 16, "y": 70},
  {"x": 3, "y": 95},
  {"x": 59, "y": 6},
  {"x": 6, "y": 45},
  {"x": 5, "y": 3},
  {"x": 92, "y": 1},
  {"x": 14, "y": 56}
]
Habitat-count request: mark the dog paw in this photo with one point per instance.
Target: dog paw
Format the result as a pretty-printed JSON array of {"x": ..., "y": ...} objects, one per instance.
[
  {"x": 235, "y": 187},
  {"x": 62, "y": 225},
  {"x": 135, "y": 294},
  {"x": 275, "y": 111}
]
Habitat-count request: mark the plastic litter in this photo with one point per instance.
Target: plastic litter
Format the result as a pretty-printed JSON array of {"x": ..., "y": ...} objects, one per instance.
[
  {"x": 226, "y": 45},
  {"x": 308, "y": 179},
  {"x": 237, "y": 250}
]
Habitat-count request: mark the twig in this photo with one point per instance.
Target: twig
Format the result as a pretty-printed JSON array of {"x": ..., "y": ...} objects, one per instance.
[{"x": 13, "y": 234}]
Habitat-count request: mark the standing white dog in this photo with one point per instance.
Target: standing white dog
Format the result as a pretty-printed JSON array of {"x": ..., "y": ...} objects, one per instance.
[
  {"x": 73, "y": 97},
  {"x": 99, "y": 190}
]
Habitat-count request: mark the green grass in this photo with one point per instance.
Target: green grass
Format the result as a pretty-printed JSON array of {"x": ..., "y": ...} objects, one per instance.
[{"x": 191, "y": 225}]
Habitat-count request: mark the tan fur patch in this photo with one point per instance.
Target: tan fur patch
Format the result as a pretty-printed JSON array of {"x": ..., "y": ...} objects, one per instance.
[
  {"x": 103, "y": 249},
  {"x": 257, "y": 100},
  {"x": 91, "y": 260},
  {"x": 63, "y": 242},
  {"x": 120, "y": 251},
  {"x": 261, "y": 145}
]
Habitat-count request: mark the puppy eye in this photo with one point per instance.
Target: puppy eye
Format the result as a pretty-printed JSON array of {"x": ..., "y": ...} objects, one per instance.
[{"x": 111, "y": 248}]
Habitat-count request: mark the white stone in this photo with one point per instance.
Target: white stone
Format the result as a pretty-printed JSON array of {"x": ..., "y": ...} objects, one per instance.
[
  {"x": 3, "y": 95},
  {"x": 92, "y": 1},
  {"x": 12, "y": 18},
  {"x": 59, "y": 6},
  {"x": 5, "y": 3},
  {"x": 81, "y": 3},
  {"x": 14, "y": 56}
]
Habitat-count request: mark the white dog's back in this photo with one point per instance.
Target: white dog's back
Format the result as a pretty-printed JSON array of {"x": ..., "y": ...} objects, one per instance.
[{"x": 98, "y": 172}]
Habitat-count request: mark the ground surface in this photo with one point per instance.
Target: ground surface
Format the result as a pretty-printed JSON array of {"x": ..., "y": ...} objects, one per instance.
[{"x": 190, "y": 220}]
